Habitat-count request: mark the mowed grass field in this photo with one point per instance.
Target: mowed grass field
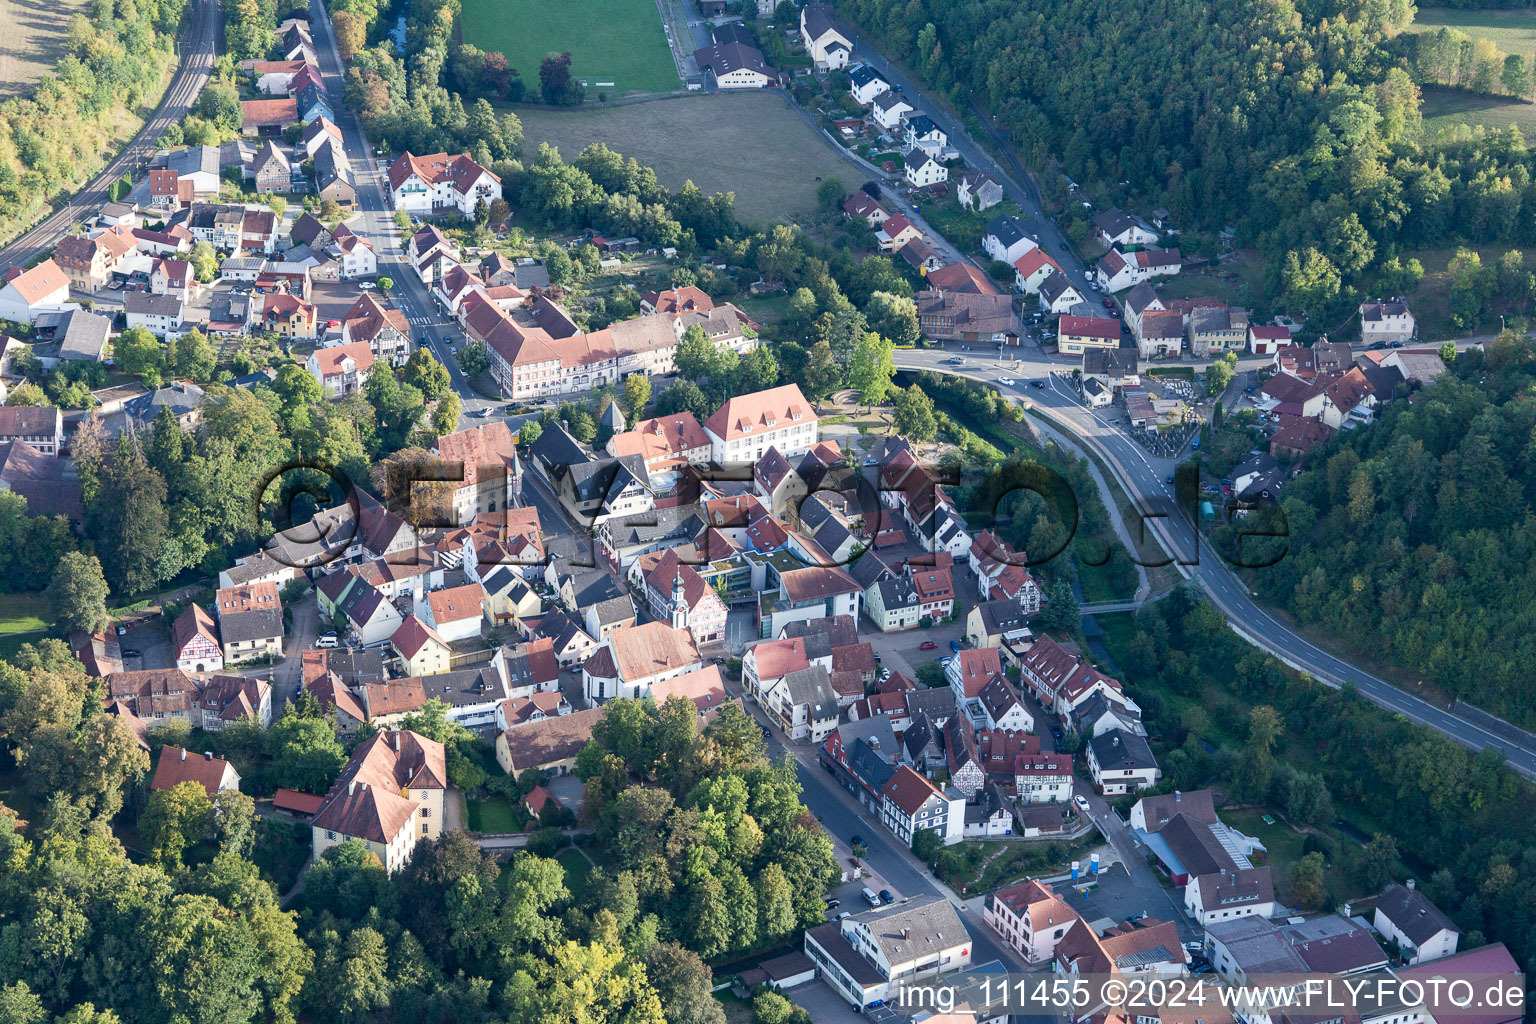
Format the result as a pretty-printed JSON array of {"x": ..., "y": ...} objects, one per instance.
[
  {"x": 618, "y": 41},
  {"x": 1512, "y": 31},
  {"x": 748, "y": 143},
  {"x": 1447, "y": 109},
  {"x": 32, "y": 37}
]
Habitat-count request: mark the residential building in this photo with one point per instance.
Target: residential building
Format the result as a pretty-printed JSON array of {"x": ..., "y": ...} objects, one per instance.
[
  {"x": 355, "y": 255},
  {"x": 455, "y": 612},
  {"x": 1056, "y": 294},
  {"x": 334, "y": 177},
  {"x": 893, "y": 232},
  {"x": 978, "y": 191},
  {"x": 1115, "y": 368},
  {"x": 889, "y": 110},
  {"x": 1115, "y": 227},
  {"x": 160, "y": 315},
  {"x": 1217, "y": 328},
  {"x": 155, "y": 694},
  {"x": 864, "y": 956},
  {"x": 862, "y": 206},
  {"x": 1006, "y": 239},
  {"x": 1043, "y": 777},
  {"x": 172, "y": 277},
  {"x": 1298, "y": 436},
  {"x": 550, "y": 744},
  {"x": 271, "y": 168},
  {"x": 227, "y": 699},
  {"x": 865, "y": 84},
  {"x": 1078, "y": 334},
  {"x": 427, "y": 184},
  {"x": 1121, "y": 762},
  {"x": 803, "y": 704},
  {"x": 385, "y": 331},
  {"x": 1031, "y": 270},
  {"x": 824, "y": 42},
  {"x": 176, "y": 765},
  {"x": 921, "y": 169},
  {"x": 909, "y": 803},
  {"x": 195, "y": 642},
  {"x": 250, "y": 622},
  {"x": 1386, "y": 322},
  {"x": 89, "y": 261},
  {"x": 340, "y": 369},
  {"x": 1118, "y": 271},
  {"x": 288, "y": 316},
  {"x": 967, "y": 317},
  {"x": 994, "y": 623},
  {"x": 815, "y": 592},
  {"x": 28, "y": 293},
  {"x": 1159, "y": 333},
  {"x": 923, "y": 133},
  {"x": 41, "y": 427},
  {"x": 389, "y": 796},
  {"x": 1421, "y": 930},
  {"x": 1031, "y": 917},
  {"x": 631, "y": 661},
  {"x": 969, "y": 672},
  {"x": 1230, "y": 893},
  {"x": 273, "y": 76},
  {"x": 674, "y": 592},
  {"x": 746, "y": 426},
  {"x": 421, "y": 650},
  {"x": 959, "y": 277}
]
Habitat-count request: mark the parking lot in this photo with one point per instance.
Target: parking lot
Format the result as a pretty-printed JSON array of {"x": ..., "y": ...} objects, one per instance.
[
  {"x": 1115, "y": 896},
  {"x": 148, "y": 637}
]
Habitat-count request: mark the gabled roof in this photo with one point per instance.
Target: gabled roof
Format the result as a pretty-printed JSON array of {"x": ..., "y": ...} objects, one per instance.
[
  {"x": 1413, "y": 914},
  {"x": 275, "y": 113},
  {"x": 177, "y": 765},
  {"x": 459, "y": 169},
  {"x": 960, "y": 277},
  {"x": 192, "y": 622},
  {"x": 909, "y": 791},
  {"x": 39, "y": 282},
  {"x": 413, "y": 635}
]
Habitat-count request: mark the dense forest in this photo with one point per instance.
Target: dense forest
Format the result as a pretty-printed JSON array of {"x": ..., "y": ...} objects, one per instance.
[
  {"x": 707, "y": 852},
  {"x": 1414, "y": 538},
  {"x": 1222, "y": 712},
  {"x": 115, "y": 58},
  {"x": 1296, "y": 123}
]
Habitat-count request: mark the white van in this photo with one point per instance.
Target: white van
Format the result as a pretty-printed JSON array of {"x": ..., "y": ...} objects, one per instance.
[
  {"x": 870, "y": 897},
  {"x": 326, "y": 642}
]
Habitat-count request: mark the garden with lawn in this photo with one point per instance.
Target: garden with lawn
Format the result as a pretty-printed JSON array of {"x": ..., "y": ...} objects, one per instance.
[{"x": 616, "y": 46}]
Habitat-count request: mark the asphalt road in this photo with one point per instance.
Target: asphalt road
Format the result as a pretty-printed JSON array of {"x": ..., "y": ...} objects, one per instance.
[
  {"x": 202, "y": 34},
  {"x": 1145, "y": 478},
  {"x": 431, "y": 328}
]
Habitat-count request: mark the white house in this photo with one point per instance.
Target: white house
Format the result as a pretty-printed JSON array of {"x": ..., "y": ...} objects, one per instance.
[
  {"x": 635, "y": 658},
  {"x": 1386, "y": 321},
  {"x": 160, "y": 315},
  {"x": 1006, "y": 239},
  {"x": 455, "y": 612},
  {"x": 1031, "y": 917},
  {"x": 922, "y": 170},
  {"x": 44, "y": 288},
  {"x": 354, "y": 253},
  {"x": 865, "y": 85},
  {"x": 803, "y": 703},
  {"x": 1265, "y": 340},
  {"x": 1421, "y": 930},
  {"x": 890, "y": 110},
  {"x": 1043, "y": 777},
  {"x": 1121, "y": 762},
  {"x": 1116, "y": 227},
  {"x": 910, "y": 802},
  {"x": 340, "y": 369},
  {"x": 427, "y": 184},
  {"x": 1118, "y": 271},
  {"x": 828, "y": 47},
  {"x": 923, "y": 133},
  {"x": 743, "y": 429},
  {"x": 1058, "y": 295},
  {"x": 735, "y": 65},
  {"x": 978, "y": 191},
  {"x": 1226, "y": 895}
]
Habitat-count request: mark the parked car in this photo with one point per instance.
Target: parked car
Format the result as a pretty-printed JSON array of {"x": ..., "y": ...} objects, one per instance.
[
  {"x": 954, "y": 645},
  {"x": 122, "y": 630},
  {"x": 855, "y": 840},
  {"x": 129, "y": 652},
  {"x": 1081, "y": 802},
  {"x": 927, "y": 645},
  {"x": 1396, "y": 344},
  {"x": 833, "y": 904},
  {"x": 1109, "y": 304},
  {"x": 886, "y": 897}
]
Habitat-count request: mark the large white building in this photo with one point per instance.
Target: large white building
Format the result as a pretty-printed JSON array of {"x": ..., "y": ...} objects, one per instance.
[
  {"x": 389, "y": 796},
  {"x": 634, "y": 659},
  {"x": 745, "y": 427},
  {"x": 865, "y": 955},
  {"x": 430, "y": 184}
]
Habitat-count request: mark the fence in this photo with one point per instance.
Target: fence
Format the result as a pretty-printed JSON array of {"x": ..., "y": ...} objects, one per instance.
[{"x": 1497, "y": 726}]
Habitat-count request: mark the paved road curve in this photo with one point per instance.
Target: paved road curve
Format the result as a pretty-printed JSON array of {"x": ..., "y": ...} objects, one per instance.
[
  {"x": 1144, "y": 477},
  {"x": 196, "y": 65}
]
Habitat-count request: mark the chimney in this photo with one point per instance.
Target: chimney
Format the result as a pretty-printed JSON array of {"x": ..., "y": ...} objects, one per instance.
[
  {"x": 397, "y": 741},
  {"x": 1409, "y": 884},
  {"x": 183, "y": 753},
  {"x": 906, "y": 933},
  {"x": 207, "y": 755},
  {"x": 352, "y": 788},
  {"x": 1178, "y": 797}
]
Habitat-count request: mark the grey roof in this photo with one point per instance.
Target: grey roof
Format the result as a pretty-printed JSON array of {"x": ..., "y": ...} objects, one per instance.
[
  {"x": 268, "y": 153},
  {"x": 829, "y": 937},
  {"x": 1116, "y": 361},
  {"x": 328, "y": 168},
  {"x": 818, "y": 20},
  {"x": 867, "y": 570},
  {"x": 920, "y": 125},
  {"x": 592, "y": 586},
  {"x": 734, "y": 32},
  {"x": 1260, "y": 463},
  {"x": 657, "y": 524},
  {"x": 874, "y": 770},
  {"x": 1196, "y": 846},
  {"x": 916, "y": 158},
  {"x": 920, "y": 738},
  {"x": 898, "y": 592},
  {"x": 157, "y": 305},
  {"x": 256, "y": 624},
  {"x": 863, "y": 75},
  {"x": 1086, "y": 714},
  {"x": 1412, "y": 913},
  {"x": 1336, "y": 945},
  {"x": 1240, "y": 888},
  {"x": 1116, "y": 221},
  {"x": 530, "y": 275},
  {"x": 84, "y": 337},
  {"x": 926, "y": 924},
  {"x": 1006, "y": 230},
  {"x": 615, "y": 609},
  {"x": 888, "y": 99},
  {"x": 557, "y": 450},
  {"x": 1118, "y": 749},
  {"x": 938, "y": 703},
  {"x": 812, "y": 686},
  {"x": 723, "y": 58},
  {"x": 194, "y": 159},
  {"x": 1197, "y": 804},
  {"x": 307, "y": 229},
  {"x": 1139, "y": 298},
  {"x": 875, "y": 731},
  {"x": 1257, "y": 945},
  {"x": 465, "y": 687},
  {"x": 180, "y": 398},
  {"x": 613, "y": 416},
  {"x": 1055, "y": 286},
  {"x": 1002, "y": 616}
]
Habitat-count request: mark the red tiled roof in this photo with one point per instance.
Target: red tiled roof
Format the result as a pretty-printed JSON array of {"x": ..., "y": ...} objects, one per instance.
[
  {"x": 269, "y": 113},
  {"x": 1090, "y": 327},
  {"x": 412, "y": 636},
  {"x": 177, "y": 765},
  {"x": 329, "y": 359}
]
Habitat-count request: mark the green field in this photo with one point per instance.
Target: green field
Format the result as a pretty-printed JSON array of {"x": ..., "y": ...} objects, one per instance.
[
  {"x": 21, "y": 613},
  {"x": 618, "y": 41},
  {"x": 1511, "y": 31},
  {"x": 1446, "y": 110},
  {"x": 493, "y": 814},
  {"x": 749, "y": 143}
]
